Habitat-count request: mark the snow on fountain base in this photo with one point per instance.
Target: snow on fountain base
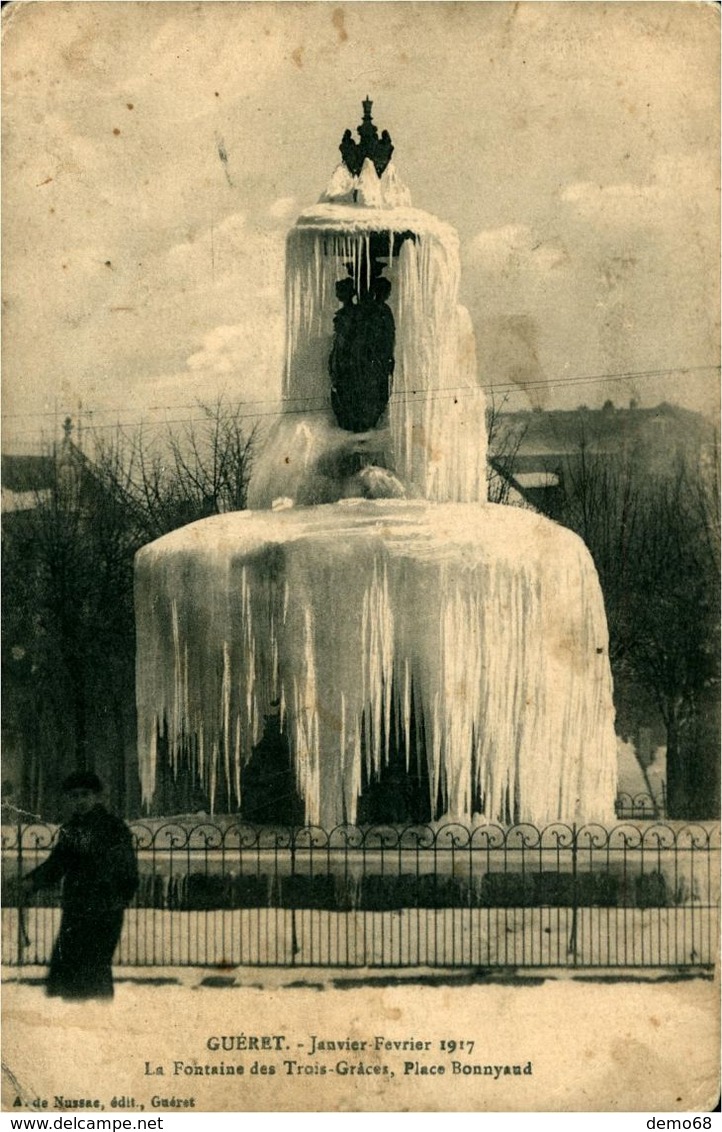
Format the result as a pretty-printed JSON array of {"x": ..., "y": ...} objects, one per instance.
[{"x": 490, "y": 619}]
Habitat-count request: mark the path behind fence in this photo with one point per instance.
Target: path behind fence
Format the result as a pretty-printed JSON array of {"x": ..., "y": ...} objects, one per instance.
[{"x": 225, "y": 893}]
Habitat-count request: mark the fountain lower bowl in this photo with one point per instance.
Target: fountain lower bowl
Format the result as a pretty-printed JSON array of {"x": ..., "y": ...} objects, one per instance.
[{"x": 472, "y": 633}]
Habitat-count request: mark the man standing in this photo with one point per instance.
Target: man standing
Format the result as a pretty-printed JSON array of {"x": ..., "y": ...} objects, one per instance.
[{"x": 95, "y": 860}]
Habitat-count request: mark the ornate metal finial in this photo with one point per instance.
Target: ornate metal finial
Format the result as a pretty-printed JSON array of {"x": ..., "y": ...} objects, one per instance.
[{"x": 378, "y": 149}]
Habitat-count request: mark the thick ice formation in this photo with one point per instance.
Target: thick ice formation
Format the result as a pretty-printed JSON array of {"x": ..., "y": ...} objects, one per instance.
[
  {"x": 368, "y": 189},
  {"x": 436, "y": 436},
  {"x": 489, "y": 619},
  {"x": 479, "y": 628}
]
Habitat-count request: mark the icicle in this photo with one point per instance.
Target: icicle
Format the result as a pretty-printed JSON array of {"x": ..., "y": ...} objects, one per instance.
[
  {"x": 476, "y": 629},
  {"x": 237, "y": 762},
  {"x": 437, "y": 411},
  {"x": 407, "y": 711},
  {"x": 226, "y": 732},
  {"x": 367, "y": 257},
  {"x": 497, "y": 653}
]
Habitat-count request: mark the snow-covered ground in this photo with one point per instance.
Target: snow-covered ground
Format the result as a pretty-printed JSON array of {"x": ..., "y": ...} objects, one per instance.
[{"x": 593, "y": 1045}]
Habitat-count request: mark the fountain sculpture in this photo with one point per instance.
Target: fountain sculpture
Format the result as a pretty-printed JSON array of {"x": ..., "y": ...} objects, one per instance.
[{"x": 371, "y": 592}]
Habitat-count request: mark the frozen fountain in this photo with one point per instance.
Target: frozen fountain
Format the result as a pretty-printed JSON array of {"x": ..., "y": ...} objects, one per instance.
[{"x": 371, "y": 596}]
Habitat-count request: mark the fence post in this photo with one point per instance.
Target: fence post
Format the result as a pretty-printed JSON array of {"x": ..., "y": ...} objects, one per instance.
[
  {"x": 20, "y": 897},
  {"x": 292, "y": 889},
  {"x": 575, "y": 900}
]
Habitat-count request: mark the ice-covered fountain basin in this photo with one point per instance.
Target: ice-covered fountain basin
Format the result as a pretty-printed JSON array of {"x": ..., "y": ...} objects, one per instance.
[
  {"x": 476, "y": 631},
  {"x": 436, "y": 413}
]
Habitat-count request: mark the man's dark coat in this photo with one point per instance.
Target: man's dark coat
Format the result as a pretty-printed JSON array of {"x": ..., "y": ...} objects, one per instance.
[{"x": 95, "y": 859}]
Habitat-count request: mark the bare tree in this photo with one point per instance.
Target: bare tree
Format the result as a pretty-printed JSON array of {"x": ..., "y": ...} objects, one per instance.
[
  {"x": 68, "y": 619},
  {"x": 654, "y": 538},
  {"x": 200, "y": 471},
  {"x": 675, "y": 647},
  {"x": 68, "y": 574},
  {"x": 504, "y": 439}
]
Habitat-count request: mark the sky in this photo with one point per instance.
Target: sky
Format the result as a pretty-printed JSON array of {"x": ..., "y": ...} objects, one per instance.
[{"x": 155, "y": 155}]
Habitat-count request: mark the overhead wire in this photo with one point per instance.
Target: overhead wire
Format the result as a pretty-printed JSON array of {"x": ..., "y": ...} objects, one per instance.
[{"x": 450, "y": 392}]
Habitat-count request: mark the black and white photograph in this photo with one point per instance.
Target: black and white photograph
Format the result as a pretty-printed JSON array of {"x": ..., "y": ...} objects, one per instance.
[{"x": 361, "y": 557}]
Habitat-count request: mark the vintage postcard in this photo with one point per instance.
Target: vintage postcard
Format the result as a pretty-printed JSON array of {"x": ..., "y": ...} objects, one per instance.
[{"x": 360, "y": 484}]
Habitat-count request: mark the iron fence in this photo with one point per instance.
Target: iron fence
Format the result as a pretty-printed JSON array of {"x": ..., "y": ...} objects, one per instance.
[
  {"x": 231, "y": 894},
  {"x": 640, "y": 807}
]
